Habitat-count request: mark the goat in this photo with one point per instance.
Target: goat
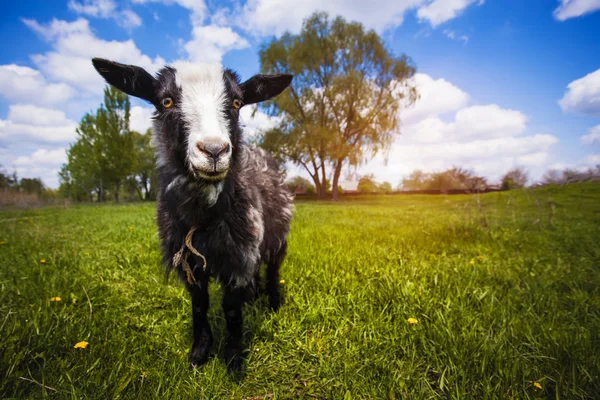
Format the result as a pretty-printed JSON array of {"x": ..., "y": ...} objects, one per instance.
[{"x": 220, "y": 201}]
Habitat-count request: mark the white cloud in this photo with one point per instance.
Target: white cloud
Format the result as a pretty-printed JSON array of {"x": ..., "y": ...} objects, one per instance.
[
  {"x": 593, "y": 136},
  {"x": 140, "y": 118},
  {"x": 583, "y": 95},
  {"x": 486, "y": 138},
  {"x": 575, "y": 8},
  {"x": 24, "y": 84},
  {"x": 436, "y": 97},
  {"x": 35, "y": 125},
  {"x": 43, "y": 163},
  {"x": 106, "y": 9},
  {"x": 440, "y": 11},
  {"x": 94, "y": 8},
  {"x": 75, "y": 45},
  {"x": 197, "y": 7},
  {"x": 43, "y": 157},
  {"x": 454, "y": 36},
  {"x": 592, "y": 160},
  {"x": 129, "y": 20},
  {"x": 210, "y": 42},
  {"x": 254, "y": 121},
  {"x": 273, "y": 17}
]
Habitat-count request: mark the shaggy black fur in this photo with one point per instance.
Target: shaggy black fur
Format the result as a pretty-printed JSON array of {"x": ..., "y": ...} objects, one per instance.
[{"x": 241, "y": 222}]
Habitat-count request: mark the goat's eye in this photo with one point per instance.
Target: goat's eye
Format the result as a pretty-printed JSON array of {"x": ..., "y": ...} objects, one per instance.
[
  {"x": 167, "y": 102},
  {"x": 237, "y": 103}
]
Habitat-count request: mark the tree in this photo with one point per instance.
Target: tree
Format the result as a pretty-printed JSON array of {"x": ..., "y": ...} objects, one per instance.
[
  {"x": 301, "y": 183},
  {"x": 415, "y": 181},
  {"x": 343, "y": 104},
  {"x": 32, "y": 185},
  {"x": 385, "y": 187},
  {"x": 103, "y": 154},
  {"x": 144, "y": 163},
  {"x": 367, "y": 184},
  {"x": 552, "y": 177},
  {"x": 116, "y": 157},
  {"x": 516, "y": 178}
]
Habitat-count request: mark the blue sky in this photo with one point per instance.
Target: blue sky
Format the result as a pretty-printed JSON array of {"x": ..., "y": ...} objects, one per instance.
[{"x": 504, "y": 83}]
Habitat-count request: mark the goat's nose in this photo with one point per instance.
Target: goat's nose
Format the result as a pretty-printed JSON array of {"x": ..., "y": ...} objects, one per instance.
[{"x": 213, "y": 149}]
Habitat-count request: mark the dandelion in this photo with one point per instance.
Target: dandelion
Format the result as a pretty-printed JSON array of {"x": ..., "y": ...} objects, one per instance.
[
  {"x": 43, "y": 261},
  {"x": 472, "y": 262},
  {"x": 282, "y": 282},
  {"x": 86, "y": 253},
  {"x": 412, "y": 321},
  {"x": 143, "y": 375},
  {"x": 81, "y": 345},
  {"x": 537, "y": 385},
  {"x": 131, "y": 228},
  {"x": 55, "y": 298}
]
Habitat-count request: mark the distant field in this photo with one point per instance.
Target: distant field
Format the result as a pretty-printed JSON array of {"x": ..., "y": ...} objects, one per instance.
[{"x": 506, "y": 294}]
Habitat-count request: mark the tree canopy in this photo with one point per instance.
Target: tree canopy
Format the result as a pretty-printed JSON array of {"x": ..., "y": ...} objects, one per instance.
[
  {"x": 107, "y": 154},
  {"x": 343, "y": 105}
]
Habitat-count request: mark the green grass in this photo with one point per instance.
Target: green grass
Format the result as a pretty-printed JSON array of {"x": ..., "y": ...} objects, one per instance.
[{"x": 506, "y": 294}]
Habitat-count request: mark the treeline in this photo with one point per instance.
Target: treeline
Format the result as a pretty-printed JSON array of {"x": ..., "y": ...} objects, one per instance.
[
  {"x": 457, "y": 179},
  {"x": 108, "y": 158},
  {"x": 15, "y": 191}
]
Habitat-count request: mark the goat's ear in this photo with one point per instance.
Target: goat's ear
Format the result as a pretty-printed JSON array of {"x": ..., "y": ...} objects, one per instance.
[
  {"x": 264, "y": 87},
  {"x": 130, "y": 79}
]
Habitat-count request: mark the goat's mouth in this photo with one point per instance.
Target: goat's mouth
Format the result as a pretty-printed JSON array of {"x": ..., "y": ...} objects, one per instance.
[{"x": 213, "y": 176}]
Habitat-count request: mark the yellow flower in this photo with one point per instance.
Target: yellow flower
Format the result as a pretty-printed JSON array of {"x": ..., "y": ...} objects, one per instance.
[
  {"x": 472, "y": 262},
  {"x": 86, "y": 253},
  {"x": 43, "y": 261},
  {"x": 55, "y": 298},
  {"x": 481, "y": 258},
  {"x": 412, "y": 321},
  {"x": 537, "y": 385},
  {"x": 144, "y": 374},
  {"x": 2, "y": 242},
  {"x": 80, "y": 345},
  {"x": 282, "y": 281}
]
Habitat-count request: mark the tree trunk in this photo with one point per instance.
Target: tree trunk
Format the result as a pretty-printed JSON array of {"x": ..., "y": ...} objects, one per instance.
[
  {"x": 146, "y": 189},
  {"x": 323, "y": 183},
  {"x": 101, "y": 192},
  {"x": 336, "y": 177},
  {"x": 117, "y": 191}
]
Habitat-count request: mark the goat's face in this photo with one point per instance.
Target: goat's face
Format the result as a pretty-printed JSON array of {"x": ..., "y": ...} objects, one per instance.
[{"x": 197, "y": 110}]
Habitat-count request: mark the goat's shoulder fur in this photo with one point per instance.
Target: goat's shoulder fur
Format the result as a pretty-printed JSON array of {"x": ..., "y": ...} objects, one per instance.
[{"x": 240, "y": 222}]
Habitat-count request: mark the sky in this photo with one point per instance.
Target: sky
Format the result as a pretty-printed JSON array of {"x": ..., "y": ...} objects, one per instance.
[{"x": 502, "y": 84}]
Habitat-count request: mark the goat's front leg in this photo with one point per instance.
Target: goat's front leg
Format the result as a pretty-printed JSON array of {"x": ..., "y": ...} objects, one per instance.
[
  {"x": 202, "y": 333},
  {"x": 233, "y": 301}
]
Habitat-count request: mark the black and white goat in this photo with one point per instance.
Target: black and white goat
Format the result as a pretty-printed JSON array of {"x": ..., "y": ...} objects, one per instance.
[{"x": 224, "y": 198}]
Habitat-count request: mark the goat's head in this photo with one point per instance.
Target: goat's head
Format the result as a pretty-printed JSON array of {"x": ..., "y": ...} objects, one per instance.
[{"x": 197, "y": 109}]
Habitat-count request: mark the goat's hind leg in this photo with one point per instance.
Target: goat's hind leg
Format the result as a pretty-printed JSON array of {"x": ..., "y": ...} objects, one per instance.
[
  {"x": 202, "y": 332},
  {"x": 272, "y": 282}
]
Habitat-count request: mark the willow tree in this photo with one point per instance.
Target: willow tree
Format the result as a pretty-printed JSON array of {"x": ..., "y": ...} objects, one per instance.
[{"x": 344, "y": 103}]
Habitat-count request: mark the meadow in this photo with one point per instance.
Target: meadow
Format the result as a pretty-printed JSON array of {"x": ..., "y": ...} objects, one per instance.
[{"x": 421, "y": 297}]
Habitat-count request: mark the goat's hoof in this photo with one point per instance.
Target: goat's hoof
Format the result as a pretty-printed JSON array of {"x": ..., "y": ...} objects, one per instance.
[
  {"x": 199, "y": 355},
  {"x": 274, "y": 303},
  {"x": 235, "y": 362}
]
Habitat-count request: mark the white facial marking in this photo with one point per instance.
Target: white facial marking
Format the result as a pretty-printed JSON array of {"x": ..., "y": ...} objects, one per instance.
[{"x": 203, "y": 107}]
